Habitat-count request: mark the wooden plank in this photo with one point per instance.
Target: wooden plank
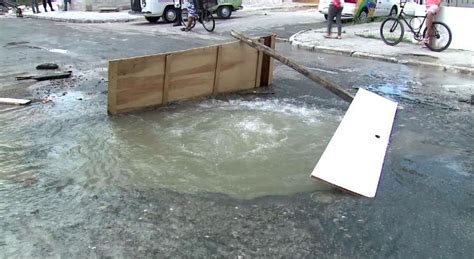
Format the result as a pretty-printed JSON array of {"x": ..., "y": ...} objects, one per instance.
[
  {"x": 112, "y": 87},
  {"x": 166, "y": 84},
  {"x": 147, "y": 81},
  {"x": 140, "y": 82},
  {"x": 237, "y": 67},
  {"x": 191, "y": 73},
  {"x": 215, "y": 88},
  {"x": 266, "y": 60},
  {"x": 337, "y": 90},
  {"x": 354, "y": 157},
  {"x": 258, "y": 76},
  {"x": 270, "y": 61},
  {"x": 14, "y": 101}
]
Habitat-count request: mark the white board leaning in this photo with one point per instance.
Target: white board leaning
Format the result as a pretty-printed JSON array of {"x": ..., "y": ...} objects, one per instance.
[{"x": 354, "y": 157}]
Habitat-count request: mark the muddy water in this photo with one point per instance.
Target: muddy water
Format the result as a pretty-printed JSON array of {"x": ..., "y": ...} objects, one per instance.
[{"x": 242, "y": 148}]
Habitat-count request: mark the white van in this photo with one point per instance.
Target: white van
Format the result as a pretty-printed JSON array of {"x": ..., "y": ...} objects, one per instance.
[
  {"x": 154, "y": 9},
  {"x": 362, "y": 9}
]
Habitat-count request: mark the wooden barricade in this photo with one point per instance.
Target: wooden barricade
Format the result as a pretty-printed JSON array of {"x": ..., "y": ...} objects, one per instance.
[{"x": 145, "y": 82}]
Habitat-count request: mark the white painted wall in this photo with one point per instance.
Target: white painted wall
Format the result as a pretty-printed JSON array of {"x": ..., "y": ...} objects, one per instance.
[
  {"x": 461, "y": 21},
  {"x": 95, "y": 5},
  {"x": 260, "y": 3}
]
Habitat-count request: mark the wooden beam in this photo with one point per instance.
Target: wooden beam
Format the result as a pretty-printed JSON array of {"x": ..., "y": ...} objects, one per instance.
[
  {"x": 337, "y": 90},
  {"x": 14, "y": 101}
]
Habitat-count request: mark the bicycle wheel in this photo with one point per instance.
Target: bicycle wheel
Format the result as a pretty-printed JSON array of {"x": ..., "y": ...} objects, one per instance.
[
  {"x": 441, "y": 37},
  {"x": 392, "y": 31},
  {"x": 184, "y": 18},
  {"x": 208, "y": 21}
]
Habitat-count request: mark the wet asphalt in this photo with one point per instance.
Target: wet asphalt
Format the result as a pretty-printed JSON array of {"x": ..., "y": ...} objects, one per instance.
[{"x": 424, "y": 206}]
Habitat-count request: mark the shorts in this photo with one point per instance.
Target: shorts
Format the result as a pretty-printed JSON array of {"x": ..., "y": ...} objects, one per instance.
[
  {"x": 434, "y": 9},
  {"x": 192, "y": 10}
]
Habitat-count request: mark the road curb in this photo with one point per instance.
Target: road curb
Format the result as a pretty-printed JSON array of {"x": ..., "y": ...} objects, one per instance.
[
  {"x": 304, "y": 6},
  {"x": 72, "y": 20},
  {"x": 385, "y": 58}
]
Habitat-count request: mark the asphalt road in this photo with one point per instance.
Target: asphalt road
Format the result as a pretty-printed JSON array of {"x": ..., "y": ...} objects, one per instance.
[{"x": 423, "y": 208}]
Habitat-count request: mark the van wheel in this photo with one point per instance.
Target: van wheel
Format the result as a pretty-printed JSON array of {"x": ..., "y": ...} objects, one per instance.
[
  {"x": 170, "y": 14},
  {"x": 224, "y": 12},
  {"x": 393, "y": 12},
  {"x": 152, "y": 19}
]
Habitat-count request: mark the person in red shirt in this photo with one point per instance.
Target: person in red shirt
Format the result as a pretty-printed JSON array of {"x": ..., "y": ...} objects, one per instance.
[
  {"x": 432, "y": 9},
  {"x": 335, "y": 10}
]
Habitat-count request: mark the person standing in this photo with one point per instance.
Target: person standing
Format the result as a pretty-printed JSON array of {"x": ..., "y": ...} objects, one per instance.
[
  {"x": 65, "y": 4},
  {"x": 432, "y": 9},
  {"x": 34, "y": 6},
  {"x": 335, "y": 10},
  {"x": 178, "y": 12},
  {"x": 50, "y": 5},
  {"x": 192, "y": 15}
]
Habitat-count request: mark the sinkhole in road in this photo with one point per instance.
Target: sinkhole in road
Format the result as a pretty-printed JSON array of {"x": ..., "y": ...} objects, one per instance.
[{"x": 241, "y": 148}]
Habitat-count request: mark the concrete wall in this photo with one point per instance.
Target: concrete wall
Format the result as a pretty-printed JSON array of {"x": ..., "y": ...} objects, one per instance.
[
  {"x": 460, "y": 20},
  {"x": 95, "y": 5}
]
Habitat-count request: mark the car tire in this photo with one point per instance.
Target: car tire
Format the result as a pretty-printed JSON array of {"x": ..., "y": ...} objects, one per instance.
[
  {"x": 224, "y": 12},
  {"x": 326, "y": 17},
  {"x": 152, "y": 19},
  {"x": 364, "y": 16},
  {"x": 170, "y": 14},
  {"x": 393, "y": 12}
]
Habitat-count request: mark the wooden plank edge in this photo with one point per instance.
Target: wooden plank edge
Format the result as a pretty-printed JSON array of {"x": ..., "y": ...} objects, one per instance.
[
  {"x": 112, "y": 87},
  {"x": 14, "y": 101}
]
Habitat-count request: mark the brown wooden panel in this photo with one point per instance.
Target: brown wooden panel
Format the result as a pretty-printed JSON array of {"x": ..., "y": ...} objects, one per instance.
[
  {"x": 139, "y": 82},
  {"x": 238, "y": 65},
  {"x": 266, "y": 75},
  {"x": 191, "y": 73},
  {"x": 112, "y": 87}
]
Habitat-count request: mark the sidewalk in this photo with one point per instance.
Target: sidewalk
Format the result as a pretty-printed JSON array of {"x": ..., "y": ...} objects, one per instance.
[
  {"x": 279, "y": 7},
  {"x": 125, "y": 16},
  {"x": 85, "y": 17},
  {"x": 363, "y": 41}
]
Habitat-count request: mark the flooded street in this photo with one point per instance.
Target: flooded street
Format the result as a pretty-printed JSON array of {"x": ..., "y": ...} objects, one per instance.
[{"x": 223, "y": 177}]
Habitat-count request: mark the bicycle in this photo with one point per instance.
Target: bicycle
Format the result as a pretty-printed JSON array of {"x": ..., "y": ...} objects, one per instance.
[
  {"x": 204, "y": 17},
  {"x": 392, "y": 31},
  {"x": 14, "y": 5}
]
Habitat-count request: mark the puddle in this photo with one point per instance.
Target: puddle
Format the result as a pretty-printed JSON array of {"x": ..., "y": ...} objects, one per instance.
[{"x": 245, "y": 149}]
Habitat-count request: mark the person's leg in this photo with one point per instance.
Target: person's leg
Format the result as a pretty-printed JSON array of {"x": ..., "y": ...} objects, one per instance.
[
  {"x": 190, "y": 23},
  {"x": 33, "y": 6},
  {"x": 178, "y": 17},
  {"x": 44, "y": 5},
  {"x": 429, "y": 25},
  {"x": 50, "y": 5},
  {"x": 339, "y": 22},
  {"x": 65, "y": 5},
  {"x": 331, "y": 13}
]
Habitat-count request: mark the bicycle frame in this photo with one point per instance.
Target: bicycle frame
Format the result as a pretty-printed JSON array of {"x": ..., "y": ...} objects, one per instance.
[{"x": 416, "y": 34}]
